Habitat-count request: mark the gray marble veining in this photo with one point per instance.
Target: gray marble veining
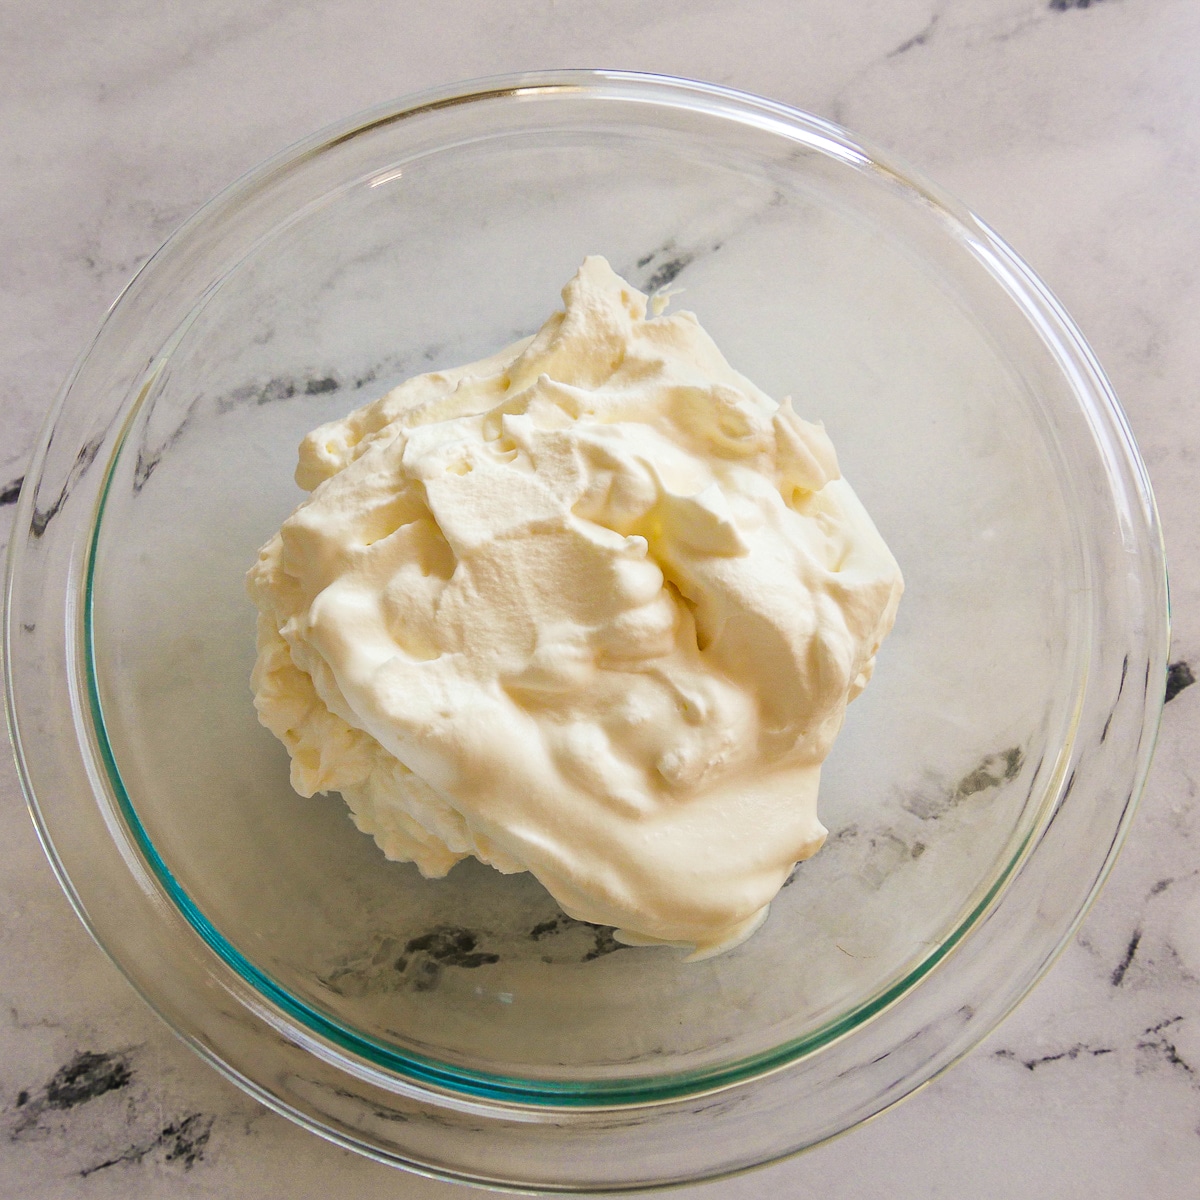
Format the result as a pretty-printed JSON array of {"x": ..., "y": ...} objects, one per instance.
[{"x": 1072, "y": 126}]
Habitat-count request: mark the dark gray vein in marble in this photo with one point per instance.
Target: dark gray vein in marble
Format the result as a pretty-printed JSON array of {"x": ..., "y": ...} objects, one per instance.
[
  {"x": 425, "y": 957},
  {"x": 85, "y": 1076},
  {"x": 84, "y": 459},
  {"x": 662, "y": 266},
  {"x": 1118, "y": 975},
  {"x": 1067, "y": 5},
  {"x": 602, "y": 935},
  {"x": 1069, "y": 1055},
  {"x": 918, "y": 39},
  {"x": 668, "y": 272},
  {"x": 1067, "y": 789},
  {"x": 1120, "y": 689},
  {"x": 181, "y": 1141},
  {"x": 275, "y": 390},
  {"x": 271, "y": 392},
  {"x": 88, "y": 1076},
  {"x": 18, "y": 1021},
  {"x": 881, "y": 852},
  {"x": 10, "y": 491},
  {"x": 1162, "y": 885},
  {"x": 1155, "y": 1041},
  {"x": 1179, "y": 676},
  {"x": 1062, "y": 800},
  {"x": 419, "y": 963},
  {"x": 992, "y": 771}
]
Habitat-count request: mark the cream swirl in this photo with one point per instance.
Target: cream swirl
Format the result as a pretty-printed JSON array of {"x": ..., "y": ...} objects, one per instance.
[{"x": 592, "y": 608}]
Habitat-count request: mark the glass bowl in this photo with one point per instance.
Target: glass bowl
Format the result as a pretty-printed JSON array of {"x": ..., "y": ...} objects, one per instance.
[{"x": 465, "y": 1027}]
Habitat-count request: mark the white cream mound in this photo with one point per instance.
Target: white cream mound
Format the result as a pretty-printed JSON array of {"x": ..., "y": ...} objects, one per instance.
[{"x": 592, "y": 608}]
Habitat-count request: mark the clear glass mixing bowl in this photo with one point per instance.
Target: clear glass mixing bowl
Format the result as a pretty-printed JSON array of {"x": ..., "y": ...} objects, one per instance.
[{"x": 465, "y": 1027}]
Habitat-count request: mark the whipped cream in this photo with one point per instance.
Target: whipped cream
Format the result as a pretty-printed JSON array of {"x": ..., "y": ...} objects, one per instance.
[{"x": 591, "y": 608}]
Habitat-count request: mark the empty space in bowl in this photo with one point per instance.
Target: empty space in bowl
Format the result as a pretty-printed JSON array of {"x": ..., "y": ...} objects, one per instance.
[{"x": 817, "y": 279}]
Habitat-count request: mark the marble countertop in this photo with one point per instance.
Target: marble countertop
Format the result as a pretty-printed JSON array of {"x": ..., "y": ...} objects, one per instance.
[{"x": 1071, "y": 126}]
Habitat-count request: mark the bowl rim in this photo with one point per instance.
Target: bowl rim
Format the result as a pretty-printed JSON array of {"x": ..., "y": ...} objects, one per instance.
[{"x": 429, "y": 1074}]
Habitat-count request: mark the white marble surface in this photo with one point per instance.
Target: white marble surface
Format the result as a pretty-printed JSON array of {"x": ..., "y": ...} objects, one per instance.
[{"x": 1072, "y": 127}]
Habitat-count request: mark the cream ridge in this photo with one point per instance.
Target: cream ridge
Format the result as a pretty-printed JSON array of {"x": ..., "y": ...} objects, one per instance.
[{"x": 592, "y": 607}]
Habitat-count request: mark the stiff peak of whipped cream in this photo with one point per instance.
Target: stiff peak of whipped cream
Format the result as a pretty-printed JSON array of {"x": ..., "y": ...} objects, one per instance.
[{"x": 591, "y": 608}]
